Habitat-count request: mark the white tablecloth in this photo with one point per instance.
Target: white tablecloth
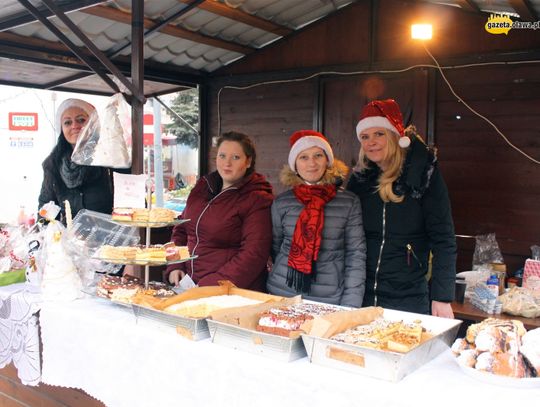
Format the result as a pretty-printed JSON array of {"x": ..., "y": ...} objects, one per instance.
[
  {"x": 100, "y": 348},
  {"x": 19, "y": 338}
]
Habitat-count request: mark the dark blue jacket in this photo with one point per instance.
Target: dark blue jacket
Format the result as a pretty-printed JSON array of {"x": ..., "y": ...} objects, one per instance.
[{"x": 400, "y": 236}]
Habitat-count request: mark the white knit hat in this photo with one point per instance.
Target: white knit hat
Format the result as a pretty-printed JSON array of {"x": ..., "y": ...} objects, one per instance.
[
  {"x": 69, "y": 103},
  {"x": 302, "y": 140}
]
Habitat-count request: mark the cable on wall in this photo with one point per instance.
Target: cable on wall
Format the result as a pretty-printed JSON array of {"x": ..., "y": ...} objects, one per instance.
[
  {"x": 437, "y": 66},
  {"x": 461, "y": 100}
]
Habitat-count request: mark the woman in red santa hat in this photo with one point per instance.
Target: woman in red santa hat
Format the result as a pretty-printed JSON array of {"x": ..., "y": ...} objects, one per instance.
[
  {"x": 406, "y": 213},
  {"x": 318, "y": 244}
]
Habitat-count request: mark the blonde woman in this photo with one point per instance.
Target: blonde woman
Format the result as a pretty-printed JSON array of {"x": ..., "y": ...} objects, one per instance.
[{"x": 406, "y": 213}]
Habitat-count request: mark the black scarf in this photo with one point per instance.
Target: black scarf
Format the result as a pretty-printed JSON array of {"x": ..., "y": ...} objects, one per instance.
[{"x": 72, "y": 174}]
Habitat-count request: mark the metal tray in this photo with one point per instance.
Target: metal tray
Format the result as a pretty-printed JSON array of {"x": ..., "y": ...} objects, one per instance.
[
  {"x": 191, "y": 328},
  {"x": 262, "y": 343},
  {"x": 380, "y": 364}
]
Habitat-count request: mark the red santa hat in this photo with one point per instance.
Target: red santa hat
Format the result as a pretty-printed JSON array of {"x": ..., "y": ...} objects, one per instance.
[
  {"x": 302, "y": 140},
  {"x": 385, "y": 114}
]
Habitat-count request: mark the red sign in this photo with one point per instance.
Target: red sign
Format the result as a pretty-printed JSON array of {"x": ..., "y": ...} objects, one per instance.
[
  {"x": 148, "y": 131},
  {"x": 23, "y": 121}
]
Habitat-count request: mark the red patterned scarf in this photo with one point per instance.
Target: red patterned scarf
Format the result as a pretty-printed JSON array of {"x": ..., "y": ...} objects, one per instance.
[{"x": 307, "y": 234}]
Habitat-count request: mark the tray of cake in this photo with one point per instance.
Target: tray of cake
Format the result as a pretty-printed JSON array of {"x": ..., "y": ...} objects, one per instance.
[
  {"x": 187, "y": 312},
  {"x": 153, "y": 255},
  {"x": 500, "y": 352},
  {"x": 122, "y": 289},
  {"x": 144, "y": 217},
  {"x": 381, "y": 343},
  {"x": 271, "y": 330}
]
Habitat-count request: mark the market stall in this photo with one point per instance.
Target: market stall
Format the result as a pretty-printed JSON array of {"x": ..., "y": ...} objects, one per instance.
[{"x": 121, "y": 360}]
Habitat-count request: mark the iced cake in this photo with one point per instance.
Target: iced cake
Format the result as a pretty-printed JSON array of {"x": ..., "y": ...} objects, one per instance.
[
  {"x": 284, "y": 320},
  {"x": 395, "y": 336}
]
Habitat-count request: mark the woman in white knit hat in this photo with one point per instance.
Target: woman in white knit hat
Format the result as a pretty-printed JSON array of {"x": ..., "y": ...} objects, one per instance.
[
  {"x": 318, "y": 245},
  {"x": 83, "y": 186},
  {"x": 406, "y": 213}
]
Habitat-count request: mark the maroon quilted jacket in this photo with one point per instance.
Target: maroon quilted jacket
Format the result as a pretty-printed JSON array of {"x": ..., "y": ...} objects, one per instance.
[{"x": 230, "y": 231}]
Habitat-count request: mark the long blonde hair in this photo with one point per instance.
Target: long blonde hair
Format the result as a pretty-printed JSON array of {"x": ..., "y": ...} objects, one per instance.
[{"x": 395, "y": 157}]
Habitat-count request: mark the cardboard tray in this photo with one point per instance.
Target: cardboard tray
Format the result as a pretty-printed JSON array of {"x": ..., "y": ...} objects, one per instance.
[
  {"x": 381, "y": 364},
  {"x": 238, "y": 331},
  {"x": 194, "y": 328}
]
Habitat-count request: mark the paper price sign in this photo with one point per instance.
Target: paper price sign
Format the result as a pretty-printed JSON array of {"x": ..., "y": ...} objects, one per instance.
[{"x": 129, "y": 190}]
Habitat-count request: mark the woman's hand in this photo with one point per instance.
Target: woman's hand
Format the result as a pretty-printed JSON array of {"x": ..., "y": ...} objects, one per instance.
[
  {"x": 175, "y": 276},
  {"x": 441, "y": 309}
]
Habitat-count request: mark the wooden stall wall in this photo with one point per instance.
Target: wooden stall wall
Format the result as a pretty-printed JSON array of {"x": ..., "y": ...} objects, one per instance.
[
  {"x": 492, "y": 187},
  {"x": 344, "y": 98},
  {"x": 267, "y": 113}
]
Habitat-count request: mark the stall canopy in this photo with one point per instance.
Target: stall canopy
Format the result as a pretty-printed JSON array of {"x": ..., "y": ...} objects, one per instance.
[{"x": 78, "y": 45}]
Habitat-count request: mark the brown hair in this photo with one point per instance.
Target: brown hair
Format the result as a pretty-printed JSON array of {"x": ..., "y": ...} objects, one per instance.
[{"x": 247, "y": 146}]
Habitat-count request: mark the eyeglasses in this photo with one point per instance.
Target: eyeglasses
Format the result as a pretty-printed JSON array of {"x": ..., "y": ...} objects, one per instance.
[{"x": 78, "y": 120}]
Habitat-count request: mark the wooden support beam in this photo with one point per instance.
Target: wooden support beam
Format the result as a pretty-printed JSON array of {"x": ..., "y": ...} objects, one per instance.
[
  {"x": 114, "y": 14},
  {"x": 223, "y": 10}
]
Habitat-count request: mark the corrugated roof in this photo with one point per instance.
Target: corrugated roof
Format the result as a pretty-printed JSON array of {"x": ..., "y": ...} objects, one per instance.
[{"x": 196, "y": 37}]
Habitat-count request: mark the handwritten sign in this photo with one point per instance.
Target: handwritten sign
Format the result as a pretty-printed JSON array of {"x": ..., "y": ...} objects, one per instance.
[{"x": 129, "y": 190}]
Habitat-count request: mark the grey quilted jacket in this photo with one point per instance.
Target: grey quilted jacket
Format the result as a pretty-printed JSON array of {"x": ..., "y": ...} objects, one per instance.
[{"x": 341, "y": 264}]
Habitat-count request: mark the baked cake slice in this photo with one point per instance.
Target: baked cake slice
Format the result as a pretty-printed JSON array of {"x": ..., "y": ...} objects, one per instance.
[{"x": 284, "y": 320}]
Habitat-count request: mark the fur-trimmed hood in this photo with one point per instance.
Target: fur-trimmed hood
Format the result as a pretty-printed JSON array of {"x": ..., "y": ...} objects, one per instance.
[{"x": 334, "y": 175}]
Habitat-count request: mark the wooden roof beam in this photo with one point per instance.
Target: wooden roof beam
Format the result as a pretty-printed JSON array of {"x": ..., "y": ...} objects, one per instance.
[
  {"x": 114, "y": 14},
  {"x": 525, "y": 10},
  {"x": 25, "y": 17},
  {"x": 57, "y": 54},
  {"x": 242, "y": 17}
]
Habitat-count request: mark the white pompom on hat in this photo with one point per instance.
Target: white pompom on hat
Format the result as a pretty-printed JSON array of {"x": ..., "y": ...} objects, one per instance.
[
  {"x": 69, "y": 103},
  {"x": 385, "y": 114},
  {"x": 302, "y": 140}
]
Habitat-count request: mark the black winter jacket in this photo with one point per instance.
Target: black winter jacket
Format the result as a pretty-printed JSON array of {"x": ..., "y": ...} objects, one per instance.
[
  {"x": 400, "y": 236},
  {"x": 95, "y": 193}
]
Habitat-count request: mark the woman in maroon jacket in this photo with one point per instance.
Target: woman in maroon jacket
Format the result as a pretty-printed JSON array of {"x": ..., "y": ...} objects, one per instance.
[{"x": 230, "y": 228}]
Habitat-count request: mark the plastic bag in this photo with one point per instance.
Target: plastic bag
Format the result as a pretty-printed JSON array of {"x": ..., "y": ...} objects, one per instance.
[
  {"x": 34, "y": 242},
  {"x": 486, "y": 251},
  {"x": 89, "y": 232},
  {"x": 535, "y": 252},
  {"x": 522, "y": 302},
  {"x": 60, "y": 281},
  {"x": 105, "y": 140},
  {"x": 13, "y": 251}
]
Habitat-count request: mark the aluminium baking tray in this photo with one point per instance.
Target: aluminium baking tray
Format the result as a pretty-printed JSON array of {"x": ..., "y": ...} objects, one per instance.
[
  {"x": 262, "y": 343},
  {"x": 392, "y": 366},
  {"x": 191, "y": 328}
]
